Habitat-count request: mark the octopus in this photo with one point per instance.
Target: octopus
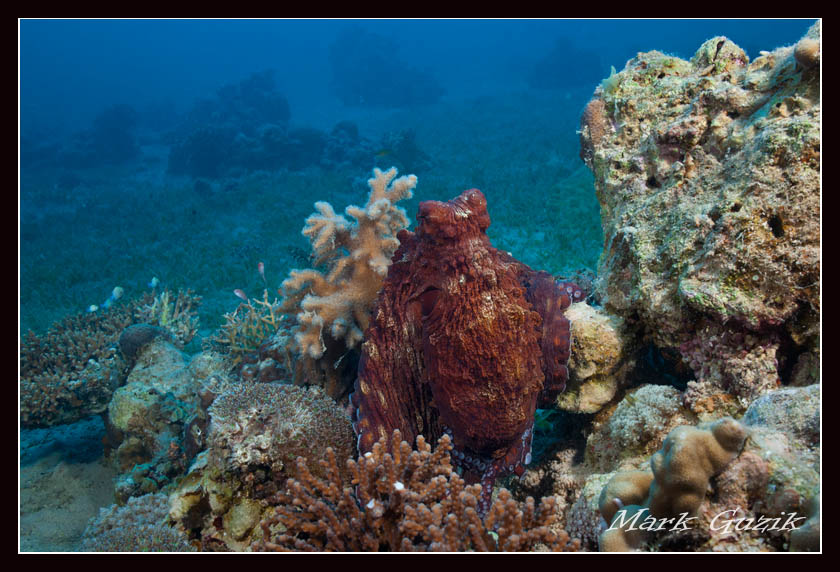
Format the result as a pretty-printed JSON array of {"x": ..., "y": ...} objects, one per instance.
[{"x": 464, "y": 340}]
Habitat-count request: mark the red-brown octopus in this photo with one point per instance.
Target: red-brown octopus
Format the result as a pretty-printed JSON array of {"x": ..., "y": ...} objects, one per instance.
[{"x": 464, "y": 339}]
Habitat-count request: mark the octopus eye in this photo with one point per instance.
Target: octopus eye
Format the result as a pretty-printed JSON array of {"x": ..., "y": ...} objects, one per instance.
[{"x": 428, "y": 300}]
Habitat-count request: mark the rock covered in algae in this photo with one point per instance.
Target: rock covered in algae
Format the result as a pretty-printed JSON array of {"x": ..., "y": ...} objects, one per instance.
[
  {"x": 707, "y": 172},
  {"x": 773, "y": 479},
  {"x": 150, "y": 417},
  {"x": 600, "y": 361}
]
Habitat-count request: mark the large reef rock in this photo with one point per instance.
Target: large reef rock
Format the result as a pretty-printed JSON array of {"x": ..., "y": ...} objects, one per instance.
[
  {"x": 707, "y": 172},
  {"x": 155, "y": 421},
  {"x": 463, "y": 339}
]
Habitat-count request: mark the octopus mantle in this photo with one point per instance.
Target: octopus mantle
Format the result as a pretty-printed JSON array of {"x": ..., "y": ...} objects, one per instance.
[{"x": 464, "y": 339}]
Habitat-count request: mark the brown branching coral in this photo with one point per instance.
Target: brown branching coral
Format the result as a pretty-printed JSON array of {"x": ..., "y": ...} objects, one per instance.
[{"x": 403, "y": 500}]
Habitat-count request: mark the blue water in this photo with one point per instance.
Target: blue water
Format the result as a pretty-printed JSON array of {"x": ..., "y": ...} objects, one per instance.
[{"x": 192, "y": 150}]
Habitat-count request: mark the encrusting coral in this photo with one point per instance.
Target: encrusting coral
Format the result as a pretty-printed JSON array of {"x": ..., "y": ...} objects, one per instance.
[
  {"x": 675, "y": 485},
  {"x": 403, "y": 500},
  {"x": 332, "y": 309}
]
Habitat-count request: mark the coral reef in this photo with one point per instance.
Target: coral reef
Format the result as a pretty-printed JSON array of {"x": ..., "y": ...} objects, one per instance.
[
  {"x": 675, "y": 485},
  {"x": 139, "y": 526},
  {"x": 399, "y": 499},
  {"x": 470, "y": 328},
  {"x": 256, "y": 433},
  {"x": 235, "y": 127},
  {"x": 146, "y": 419},
  {"x": 72, "y": 370},
  {"x": 758, "y": 502},
  {"x": 156, "y": 422},
  {"x": 175, "y": 312},
  {"x": 332, "y": 309},
  {"x": 707, "y": 172}
]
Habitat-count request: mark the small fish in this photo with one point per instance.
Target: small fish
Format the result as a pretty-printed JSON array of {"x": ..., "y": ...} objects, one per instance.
[
  {"x": 154, "y": 282},
  {"x": 92, "y": 308},
  {"x": 261, "y": 269},
  {"x": 240, "y": 294},
  {"x": 116, "y": 294},
  {"x": 383, "y": 153}
]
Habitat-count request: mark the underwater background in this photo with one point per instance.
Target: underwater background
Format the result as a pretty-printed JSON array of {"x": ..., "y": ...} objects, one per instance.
[{"x": 184, "y": 156}]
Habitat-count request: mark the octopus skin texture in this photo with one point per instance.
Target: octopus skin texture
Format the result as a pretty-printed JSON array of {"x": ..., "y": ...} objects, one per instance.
[{"x": 464, "y": 340}]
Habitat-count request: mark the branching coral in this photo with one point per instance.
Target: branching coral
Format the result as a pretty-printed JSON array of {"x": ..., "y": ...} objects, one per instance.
[
  {"x": 332, "y": 309},
  {"x": 403, "y": 500},
  {"x": 247, "y": 327},
  {"x": 174, "y": 312},
  {"x": 72, "y": 370},
  {"x": 357, "y": 257}
]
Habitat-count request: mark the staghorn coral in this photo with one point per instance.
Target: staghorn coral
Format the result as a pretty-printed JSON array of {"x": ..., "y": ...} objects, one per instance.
[
  {"x": 332, "y": 309},
  {"x": 402, "y": 500},
  {"x": 470, "y": 328},
  {"x": 247, "y": 327},
  {"x": 139, "y": 526},
  {"x": 675, "y": 485},
  {"x": 71, "y": 371}
]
